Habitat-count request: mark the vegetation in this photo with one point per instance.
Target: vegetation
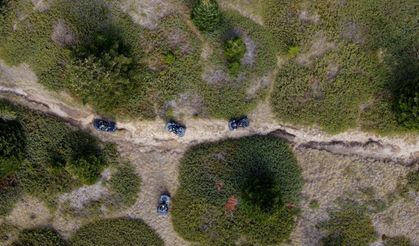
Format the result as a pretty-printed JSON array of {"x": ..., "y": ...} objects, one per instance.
[
  {"x": 125, "y": 185},
  {"x": 396, "y": 241},
  {"x": 244, "y": 188},
  {"x": 413, "y": 180},
  {"x": 38, "y": 237},
  {"x": 340, "y": 66},
  {"x": 234, "y": 50},
  {"x": 55, "y": 158},
  {"x": 115, "y": 232},
  {"x": 349, "y": 225},
  {"x": 206, "y": 15},
  {"x": 12, "y": 147}
]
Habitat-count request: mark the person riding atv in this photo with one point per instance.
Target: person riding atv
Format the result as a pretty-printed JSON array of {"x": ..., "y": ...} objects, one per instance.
[
  {"x": 236, "y": 123},
  {"x": 176, "y": 128},
  {"x": 104, "y": 125},
  {"x": 163, "y": 207}
]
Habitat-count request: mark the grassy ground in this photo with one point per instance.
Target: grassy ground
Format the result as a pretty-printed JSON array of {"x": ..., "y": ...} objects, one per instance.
[
  {"x": 237, "y": 190},
  {"x": 116, "y": 232},
  {"x": 358, "y": 80}
]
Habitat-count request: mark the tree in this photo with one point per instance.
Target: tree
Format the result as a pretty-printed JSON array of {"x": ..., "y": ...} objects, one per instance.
[{"x": 206, "y": 15}]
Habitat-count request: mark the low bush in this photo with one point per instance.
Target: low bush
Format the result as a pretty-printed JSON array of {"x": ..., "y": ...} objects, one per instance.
[
  {"x": 234, "y": 50},
  {"x": 109, "y": 232},
  {"x": 396, "y": 241},
  {"x": 245, "y": 188},
  {"x": 38, "y": 237},
  {"x": 206, "y": 15},
  {"x": 413, "y": 180},
  {"x": 125, "y": 185},
  {"x": 12, "y": 146},
  {"x": 348, "y": 225}
]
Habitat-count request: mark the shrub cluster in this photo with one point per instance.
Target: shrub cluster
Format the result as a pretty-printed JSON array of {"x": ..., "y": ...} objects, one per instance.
[
  {"x": 245, "y": 188},
  {"x": 109, "y": 232},
  {"x": 39, "y": 236},
  {"x": 53, "y": 157},
  {"x": 234, "y": 50},
  {"x": 349, "y": 225},
  {"x": 206, "y": 15}
]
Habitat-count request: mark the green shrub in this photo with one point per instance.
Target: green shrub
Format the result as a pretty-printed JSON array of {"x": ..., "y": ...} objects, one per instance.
[
  {"x": 12, "y": 146},
  {"x": 293, "y": 51},
  {"x": 206, "y": 15},
  {"x": 39, "y": 237},
  {"x": 125, "y": 185},
  {"x": 115, "y": 232},
  {"x": 234, "y": 50},
  {"x": 57, "y": 158},
  {"x": 10, "y": 193},
  {"x": 413, "y": 180},
  {"x": 408, "y": 106},
  {"x": 397, "y": 241},
  {"x": 84, "y": 157},
  {"x": 235, "y": 189},
  {"x": 349, "y": 225}
]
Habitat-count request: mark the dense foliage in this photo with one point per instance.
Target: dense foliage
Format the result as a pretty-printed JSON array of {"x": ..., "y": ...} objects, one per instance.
[
  {"x": 413, "y": 180},
  {"x": 237, "y": 189},
  {"x": 206, "y": 15},
  {"x": 38, "y": 237},
  {"x": 234, "y": 50},
  {"x": 54, "y": 158},
  {"x": 109, "y": 232},
  {"x": 125, "y": 185},
  {"x": 349, "y": 225},
  {"x": 397, "y": 241},
  {"x": 12, "y": 146}
]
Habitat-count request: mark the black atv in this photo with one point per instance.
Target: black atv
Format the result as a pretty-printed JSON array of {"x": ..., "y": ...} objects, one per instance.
[
  {"x": 237, "y": 123},
  {"x": 176, "y": 128},
  {"x": 163, "y": 207},
  {"x": 104, "y": 125}
]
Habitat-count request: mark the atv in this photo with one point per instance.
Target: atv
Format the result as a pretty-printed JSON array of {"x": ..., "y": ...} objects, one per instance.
[
  {"x": 104, "y": 125},
  {"x": 237, "y": 123},
  {"x": 163, "y": 207},
  {"x": 176, "y": 128}
]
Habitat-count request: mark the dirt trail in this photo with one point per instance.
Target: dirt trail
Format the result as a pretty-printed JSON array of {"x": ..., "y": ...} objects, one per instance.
[
  {"x": 151, "y": 134},
  {"x": 156, "y": 153}
]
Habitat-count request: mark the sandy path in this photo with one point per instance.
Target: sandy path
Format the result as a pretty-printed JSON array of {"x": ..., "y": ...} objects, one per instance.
[{"x": 156, "y": 153}]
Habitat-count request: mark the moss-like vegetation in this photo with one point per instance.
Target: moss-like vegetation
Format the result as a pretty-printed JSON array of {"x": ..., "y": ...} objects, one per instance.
[
  {"x": 245, "y": 188},
  {"x": 38, "y": 237},
  {"x": 116, "y": 232},
  {"x": 348, "y": 225},
  {"x": 413, "y": 180},
  {"x": 397, "y": 241}
]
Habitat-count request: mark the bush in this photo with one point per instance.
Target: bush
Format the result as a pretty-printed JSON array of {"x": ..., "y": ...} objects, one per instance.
[
  {"x": 125, "y": 185},
  {"x": 39, "y": 237},
  {"x": 115, "y": 232},
  {"x": 413, "y": 180},
  {"x": 234, "y": 50},
  {"x": 83, "y": 156},
  {"x": 57, "y": 158},
  {"x": 242, "y": 188},
  {"x": 396, "y": 241},
  {"x": 408, "y": 107},
  {"x": 12, "y": 147},
  {"x": 349, "y": 225},
  {"x": 206, "y": 15}
]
